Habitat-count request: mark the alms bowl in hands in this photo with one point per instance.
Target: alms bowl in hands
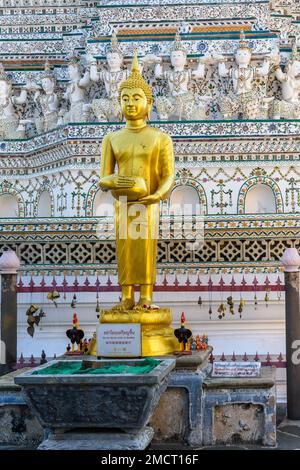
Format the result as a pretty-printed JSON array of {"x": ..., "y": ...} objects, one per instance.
[{"x": 134, "y": 193}]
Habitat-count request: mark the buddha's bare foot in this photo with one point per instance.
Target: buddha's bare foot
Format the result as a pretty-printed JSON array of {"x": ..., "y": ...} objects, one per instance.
[
  {"x": 126, "y": 304},
  {"x": 143, "y": 303}
]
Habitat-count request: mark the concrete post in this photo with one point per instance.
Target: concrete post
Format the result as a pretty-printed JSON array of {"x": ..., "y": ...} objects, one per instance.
[
  {"x": 9, "y": 264},
  {"x": 291, "y": 263}
]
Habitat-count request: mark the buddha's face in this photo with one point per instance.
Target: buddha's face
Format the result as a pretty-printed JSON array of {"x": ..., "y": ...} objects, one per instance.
[
  {"x": 178, "y": 59},
  {"x": 243, "y": 56},
  {"x": 48, "y": 85},
  {"x": 134, "y": 104},
  {"x": 114, "y": 60}
]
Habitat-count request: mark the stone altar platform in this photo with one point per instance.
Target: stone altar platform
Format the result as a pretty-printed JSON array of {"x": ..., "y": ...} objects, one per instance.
[
  {"x": 200, "y": 410},
  {"x": 18, "y": 425},
  {"x": 179, "y": 414},
  {"x": 195, "y": 409},
  {"x": 73, "y": 401},
  {"x": 240, "y": 410}
]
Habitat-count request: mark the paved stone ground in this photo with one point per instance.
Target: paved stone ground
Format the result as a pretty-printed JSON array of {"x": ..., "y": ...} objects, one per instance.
[{"x": 288, "y": 437}]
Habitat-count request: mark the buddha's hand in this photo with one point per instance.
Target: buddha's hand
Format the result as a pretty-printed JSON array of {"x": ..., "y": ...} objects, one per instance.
[
  {"x": 152, "y": 199},
  {"x": 116, "y": 182},
  {"x": 124, "y": 181}
]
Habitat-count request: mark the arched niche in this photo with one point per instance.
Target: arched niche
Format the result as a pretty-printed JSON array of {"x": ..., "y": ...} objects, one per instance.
[
  {"x": 260, "y": 199},
  {"x": 184, "y": 200},
  {"x": 44, "y": 205},
  {"x": 260, "y": 195},
  {"x": 103, "y": 205},
  {"x": 9, "y": 206}
]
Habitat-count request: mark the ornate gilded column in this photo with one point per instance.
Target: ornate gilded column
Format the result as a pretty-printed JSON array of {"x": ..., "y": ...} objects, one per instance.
[
  {"x": 9, "y": 264},
  {"x": 291, "y": 263}
]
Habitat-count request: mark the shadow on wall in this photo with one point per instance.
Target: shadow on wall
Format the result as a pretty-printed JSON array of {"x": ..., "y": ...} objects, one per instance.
[
  {"x": 9, "y": 206},
  {"x": 260, "y": 199}
]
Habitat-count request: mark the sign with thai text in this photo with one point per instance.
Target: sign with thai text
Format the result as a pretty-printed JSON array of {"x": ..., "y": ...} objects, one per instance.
[
  {"x": 236, "y": 369},
  {"x": 119, "y": 340}
]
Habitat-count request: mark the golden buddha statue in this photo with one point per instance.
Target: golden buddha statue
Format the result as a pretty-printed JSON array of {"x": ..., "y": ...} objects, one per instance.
[{"x": 143, "y": 157}]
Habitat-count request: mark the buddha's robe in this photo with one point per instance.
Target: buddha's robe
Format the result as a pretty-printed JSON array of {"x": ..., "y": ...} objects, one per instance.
[{"x": 148, "y": 153}]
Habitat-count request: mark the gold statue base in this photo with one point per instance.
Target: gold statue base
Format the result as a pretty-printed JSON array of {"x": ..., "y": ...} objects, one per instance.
[{"x": 157, "y": 335}]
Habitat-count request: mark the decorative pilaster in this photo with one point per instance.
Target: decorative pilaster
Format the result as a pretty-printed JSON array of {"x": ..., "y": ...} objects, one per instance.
[
  {"x": 291, "y": 263},
  {"x": 9, "y": 264}
]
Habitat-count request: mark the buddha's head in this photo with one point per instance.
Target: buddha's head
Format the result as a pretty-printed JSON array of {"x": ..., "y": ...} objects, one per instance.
[
  {"x": 135, "y": 95},
  {"x": 134, "y": 103}
]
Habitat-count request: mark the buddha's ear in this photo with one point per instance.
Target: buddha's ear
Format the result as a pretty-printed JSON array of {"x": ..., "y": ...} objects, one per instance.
[{"x": 149, "y": 106}]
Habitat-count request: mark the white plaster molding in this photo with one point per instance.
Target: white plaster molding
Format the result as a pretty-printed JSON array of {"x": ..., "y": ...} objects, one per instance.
[
  {"x": 9, "y": 262},
  {"x": 291, "y": 260}
]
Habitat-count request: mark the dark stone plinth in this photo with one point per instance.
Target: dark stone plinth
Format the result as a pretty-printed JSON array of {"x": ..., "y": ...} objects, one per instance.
[
  {"x": 240, "y": 410},
  {"x": 81, "y": 401},
  {"x": 292, "y": 319},
  {"x": 18, "y": 426},
  {"x": 184, "y": 416},
  {"x": 8, "y": 325}
]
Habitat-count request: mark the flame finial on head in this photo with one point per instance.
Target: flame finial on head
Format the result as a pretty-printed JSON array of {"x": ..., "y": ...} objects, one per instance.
[{"x": 135, "y": 68}]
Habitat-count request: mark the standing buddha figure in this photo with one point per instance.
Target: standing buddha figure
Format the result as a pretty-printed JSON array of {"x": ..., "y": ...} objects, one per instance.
[{"x": 137, "y": 166}]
